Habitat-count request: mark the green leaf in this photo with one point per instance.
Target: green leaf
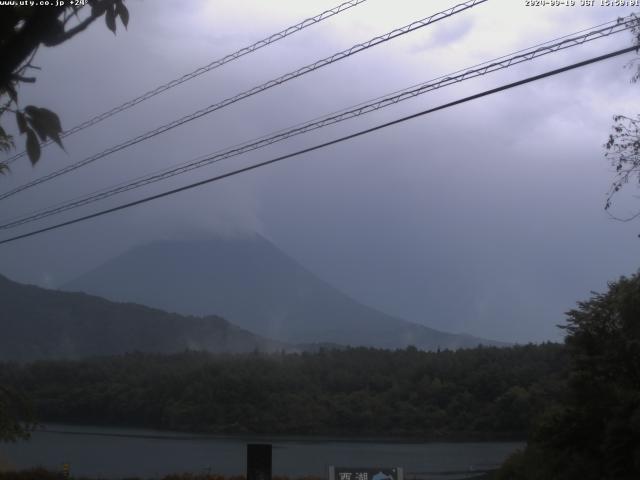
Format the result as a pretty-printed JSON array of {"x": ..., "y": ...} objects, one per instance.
[
  {"x": 122, "y": 12},
  {"x": 51, "y": 124},
  {"x": 33, "y": 147},
  {"x": 56, "y": 138},
  {"x": 97, "y": 8},
  {"x": 6, "y": 141},
  {"x": 110, "y": 18},
  {"x": 4, "y": 168},
  {"x": 31, "y": 110},
  {"x": 50, "y": 119},
  {"x": 45, "y": 122},
  {"x": 36, "y": 123},
  {"x": 22, "y": 122}
]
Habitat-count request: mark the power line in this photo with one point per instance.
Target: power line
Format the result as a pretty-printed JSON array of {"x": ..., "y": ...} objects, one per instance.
[
  {"x": 361, "y": 109},
  {"x": 199, "y": 71},
  {"x": 323, "y": 145},
  {"x": 253, "y": 91}
]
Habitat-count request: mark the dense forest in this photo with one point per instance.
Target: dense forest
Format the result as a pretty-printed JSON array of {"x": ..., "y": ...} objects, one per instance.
[
  {"x": 577, "y": 404},
  {"x": 594, "y": 433},
  {"x": 480, "y": 393}
]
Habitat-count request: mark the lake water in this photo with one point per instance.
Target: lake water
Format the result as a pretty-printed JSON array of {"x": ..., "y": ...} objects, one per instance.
[{"x": 114, "y": 452}]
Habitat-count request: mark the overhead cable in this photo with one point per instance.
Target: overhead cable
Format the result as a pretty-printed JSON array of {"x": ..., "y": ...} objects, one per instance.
[
  {"x": 361, "y": 109},
  {"x": 253, "y": 91},
  {"x": 199, "y": 71},
  {"x": 320, "y": 146}
]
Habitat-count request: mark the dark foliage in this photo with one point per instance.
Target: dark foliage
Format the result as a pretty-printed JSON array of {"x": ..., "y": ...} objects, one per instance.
[
  {"x": 623, "y": 145},
  {"x": 16, "y": 415},
  {"x": 23, "y": 29},
  {"x": 595, "y": 433},
  {"x": 476, "y": 393}
]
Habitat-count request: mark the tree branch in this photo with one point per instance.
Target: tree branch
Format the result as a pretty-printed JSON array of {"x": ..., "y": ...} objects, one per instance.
[
  {"x": 73, "y": 31},
  {"x": 19, "y": 47},
  {"x": 20, "y": 78}
]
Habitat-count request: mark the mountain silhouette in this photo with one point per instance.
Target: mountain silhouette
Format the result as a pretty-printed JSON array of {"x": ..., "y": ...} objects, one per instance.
[
  {"x": 253, "y": 284},
  {"x": 37, "y": 323}
]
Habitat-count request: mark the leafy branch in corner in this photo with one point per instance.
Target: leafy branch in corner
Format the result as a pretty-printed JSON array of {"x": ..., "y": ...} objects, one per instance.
[
  {"x": 623, "y": 150},
  {"x": 623, "y": 145},
  {"x": 23, "y": 29}
]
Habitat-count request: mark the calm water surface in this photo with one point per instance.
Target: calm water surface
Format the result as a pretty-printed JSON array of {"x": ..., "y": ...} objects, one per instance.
[{"x": 114, "y": 452}]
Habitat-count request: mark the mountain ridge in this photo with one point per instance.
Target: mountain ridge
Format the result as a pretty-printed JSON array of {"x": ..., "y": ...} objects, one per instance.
[
  {"x": 249, "y": 281},
  {"x": 38, "y": 323}
]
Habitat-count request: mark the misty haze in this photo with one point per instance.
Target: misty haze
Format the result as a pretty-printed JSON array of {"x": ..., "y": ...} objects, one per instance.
[{"x": 367, "y": 240}]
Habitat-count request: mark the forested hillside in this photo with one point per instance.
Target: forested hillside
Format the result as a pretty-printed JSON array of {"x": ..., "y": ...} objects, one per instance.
[
  {"x": 477, "y": 393},
  {"x": 36, "y": 323}
]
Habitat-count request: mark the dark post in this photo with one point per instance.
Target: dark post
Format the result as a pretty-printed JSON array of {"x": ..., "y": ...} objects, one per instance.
[{"x": 258, "y": 461}]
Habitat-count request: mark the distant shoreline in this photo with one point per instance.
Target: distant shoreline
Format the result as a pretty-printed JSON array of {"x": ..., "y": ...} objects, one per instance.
[{"x": 149, "y": 433}]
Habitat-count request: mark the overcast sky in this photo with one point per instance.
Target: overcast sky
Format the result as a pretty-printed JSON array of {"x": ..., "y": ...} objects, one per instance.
[{"x": 486, "y": 218}]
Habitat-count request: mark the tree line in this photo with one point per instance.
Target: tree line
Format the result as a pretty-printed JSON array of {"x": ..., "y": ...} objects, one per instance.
[
  {"x": 481, "y": 393},
  {"x": 594, "y": 432},
  {"x": 577, "y": 404}
]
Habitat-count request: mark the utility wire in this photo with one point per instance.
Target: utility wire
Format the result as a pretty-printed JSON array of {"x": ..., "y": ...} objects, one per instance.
[
  {"x": 207, "y": 68},
  {"x": 323, "y": 145},
  {"x": 358, "y": 110},
  {"x": 253, "y": 91}
]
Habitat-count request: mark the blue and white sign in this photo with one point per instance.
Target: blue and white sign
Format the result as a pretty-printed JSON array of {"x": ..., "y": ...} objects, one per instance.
[{"x": 365, "y": 473}]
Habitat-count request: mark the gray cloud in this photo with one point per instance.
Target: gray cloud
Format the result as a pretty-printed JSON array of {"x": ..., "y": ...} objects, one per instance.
[{"x": 486, "y": 218}]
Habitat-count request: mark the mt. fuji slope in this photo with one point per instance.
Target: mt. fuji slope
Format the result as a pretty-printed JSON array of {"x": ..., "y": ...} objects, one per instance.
[{"x": 253, "y": 284}]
